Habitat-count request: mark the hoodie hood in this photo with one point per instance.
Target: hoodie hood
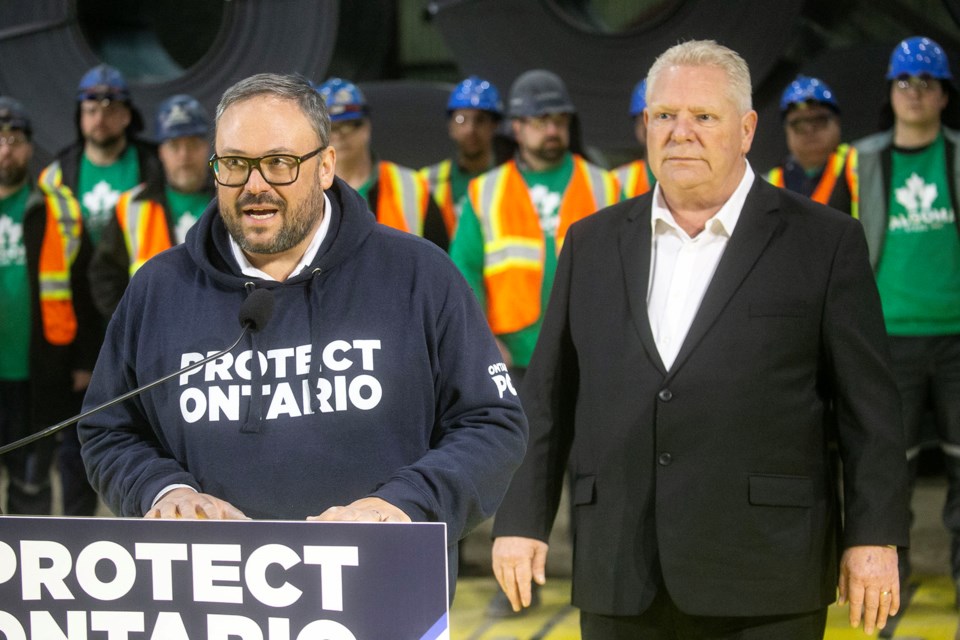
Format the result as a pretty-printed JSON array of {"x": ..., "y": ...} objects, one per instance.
[{"x": 350, "y": 224}]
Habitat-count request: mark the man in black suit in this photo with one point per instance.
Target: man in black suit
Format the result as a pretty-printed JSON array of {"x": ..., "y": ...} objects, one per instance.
[{"x": 702, "y": 345}]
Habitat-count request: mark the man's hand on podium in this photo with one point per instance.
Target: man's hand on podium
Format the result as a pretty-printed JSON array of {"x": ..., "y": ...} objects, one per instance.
[
  {"x": 186, "y": 503},
  {"x": 364, "y": 510}
]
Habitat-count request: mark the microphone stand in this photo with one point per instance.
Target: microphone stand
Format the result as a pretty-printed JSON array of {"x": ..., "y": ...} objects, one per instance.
[{"x": 22, "y": 442}]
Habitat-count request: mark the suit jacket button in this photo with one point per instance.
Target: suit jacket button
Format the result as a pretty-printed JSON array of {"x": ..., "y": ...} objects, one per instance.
[
  {"x": 665, "y": 459},
  {"x": 666, "y": 395}
]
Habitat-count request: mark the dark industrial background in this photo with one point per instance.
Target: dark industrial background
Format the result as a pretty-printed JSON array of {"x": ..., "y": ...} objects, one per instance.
[{"x": 406, "y": 54}]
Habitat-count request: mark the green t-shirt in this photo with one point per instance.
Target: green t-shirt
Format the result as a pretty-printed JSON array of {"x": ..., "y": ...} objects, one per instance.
[
  {"x": 15, "y": 310},
  {"x": 546, "y": 190},
  {"x": 459, "y": 180},
  {"x": 99, "y": 189},
  {"x": 364, "y": 189},
  {"x": 185, "y": 209},
  {"x": 919, "y": 272}
]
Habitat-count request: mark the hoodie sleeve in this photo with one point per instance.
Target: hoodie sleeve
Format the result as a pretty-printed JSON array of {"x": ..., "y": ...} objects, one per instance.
[
  {"x": 125, "y": 461},
  {"x": 480, "y": 432}
]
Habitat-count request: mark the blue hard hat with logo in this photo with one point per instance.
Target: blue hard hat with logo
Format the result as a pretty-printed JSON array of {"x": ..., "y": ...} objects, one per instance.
[
  {"x": 344, "y": 100},
  {"x": 181, "y": 116},
  {"x": 103, "y": 82},
  {"x": 13, "y": 116},
  {"x": 476, "y": 93},
  {"x": 919, "y": 56},
  {"x": 638, "y": 100},
  {"x": 805, "y": 89}
]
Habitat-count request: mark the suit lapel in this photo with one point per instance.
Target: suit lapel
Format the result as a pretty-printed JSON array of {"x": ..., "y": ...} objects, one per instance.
[
  {"x": 635, "y": 259},
  {"x": 754, "y": 229}
]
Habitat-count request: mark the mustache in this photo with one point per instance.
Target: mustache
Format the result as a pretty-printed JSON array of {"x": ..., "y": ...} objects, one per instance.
[{"x": 247, "y": 198}]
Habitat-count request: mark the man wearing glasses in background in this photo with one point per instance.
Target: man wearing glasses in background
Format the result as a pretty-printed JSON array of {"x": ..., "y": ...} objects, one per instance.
[
  {"x": 818, "y": 166},
  {"x": 379, "y": 394},
  {"x": 908, "y": 207}
]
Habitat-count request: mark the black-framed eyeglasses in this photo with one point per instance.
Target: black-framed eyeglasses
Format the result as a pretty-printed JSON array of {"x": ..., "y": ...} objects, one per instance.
[{"x": 277, "y": 169}]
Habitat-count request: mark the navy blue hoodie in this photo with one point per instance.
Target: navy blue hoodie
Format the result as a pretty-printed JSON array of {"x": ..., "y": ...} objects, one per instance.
[{"x": 379, "y": 378}]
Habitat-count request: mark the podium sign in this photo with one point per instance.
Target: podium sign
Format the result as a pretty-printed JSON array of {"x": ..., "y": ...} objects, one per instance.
[{"x": 130, "y": 579}]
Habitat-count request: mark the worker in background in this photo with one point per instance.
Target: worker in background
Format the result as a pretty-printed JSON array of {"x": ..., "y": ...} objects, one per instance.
[
  {"x": 635, "y": 177},
  {"x": 474, "y": 111},
  {"x": 154, "y": 216},
  {"x": 818, "y": 165},
  {"x": 397, "y": 195}
]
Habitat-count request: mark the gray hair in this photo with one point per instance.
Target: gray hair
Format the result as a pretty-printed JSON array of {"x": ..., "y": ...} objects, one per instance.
[
  {"x": 286, "y": 87},
  {"x": 707, "y": 53}
]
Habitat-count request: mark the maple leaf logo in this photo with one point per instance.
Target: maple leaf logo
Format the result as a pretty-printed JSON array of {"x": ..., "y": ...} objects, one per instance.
[{"x": 916, "y": 195}]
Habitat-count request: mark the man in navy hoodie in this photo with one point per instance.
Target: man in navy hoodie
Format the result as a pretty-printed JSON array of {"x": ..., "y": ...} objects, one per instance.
[{"x": 375, "y": 394}]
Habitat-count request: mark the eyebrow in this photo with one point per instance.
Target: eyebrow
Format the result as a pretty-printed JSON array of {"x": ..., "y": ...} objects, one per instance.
[{"x": 284, "y": 151}]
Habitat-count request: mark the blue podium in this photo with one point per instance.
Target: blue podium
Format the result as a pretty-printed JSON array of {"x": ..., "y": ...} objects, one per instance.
[{"x": 122, "y": 579}]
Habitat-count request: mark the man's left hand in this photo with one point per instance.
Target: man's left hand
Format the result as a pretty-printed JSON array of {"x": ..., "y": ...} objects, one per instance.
[
  {"x": 363, "y": 510},
  {"x": 870, "y": 582}
]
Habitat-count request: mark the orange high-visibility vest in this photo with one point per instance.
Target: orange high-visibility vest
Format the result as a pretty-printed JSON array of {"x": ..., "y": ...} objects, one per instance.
[
  {"x": 842, "y": 161},
  {"x": 402, "y": 199},
  {"x": 61, "y": 244},
  {"x": 513, "y": 240},
  {"x": 438, "y": 181},
  {"x": 144, "y": 226},
  {"x": 633, "y": 178}
]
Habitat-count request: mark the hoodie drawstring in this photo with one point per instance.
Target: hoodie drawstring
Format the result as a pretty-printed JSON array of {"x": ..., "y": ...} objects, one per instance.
[
  {"x": 253, "y": 421},
  {"x": 316, "y": 296}
]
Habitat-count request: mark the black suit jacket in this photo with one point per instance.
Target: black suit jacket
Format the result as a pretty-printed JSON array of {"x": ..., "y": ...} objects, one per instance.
[{"x": 713, "y": 479}]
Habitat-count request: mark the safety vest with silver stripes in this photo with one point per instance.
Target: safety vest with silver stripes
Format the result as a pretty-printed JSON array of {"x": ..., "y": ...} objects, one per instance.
[
  {"x": 513, "y": 240},
  {"x": 402, "y": 198},
  {"x": 144, "y": 226},
  {"x": 61, "y": 244}
]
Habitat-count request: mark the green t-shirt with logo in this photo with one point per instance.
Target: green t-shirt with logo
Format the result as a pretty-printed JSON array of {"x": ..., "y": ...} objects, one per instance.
[
  {"x": 15, "y": 310},
  {"x": 546, "y": 190},
  {"x": 185, "y": 209},
  {"x": 99, "y": 188},
  {"x": 919, "y": 272}
]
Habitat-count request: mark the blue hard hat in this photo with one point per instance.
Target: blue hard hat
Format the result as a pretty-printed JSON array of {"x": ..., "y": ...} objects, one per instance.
[
  {"x": 476, "y": 93},
  {"x": 806, "y": 89},
  {"x": 919, "y": 56},
  {"x": 181, "y": 116},
  {"x": 13, "y": 116},
  {"x": 344, "y": 100},
  {"x": 103, "y": 82},
  {"x": 638, "y": 100}
]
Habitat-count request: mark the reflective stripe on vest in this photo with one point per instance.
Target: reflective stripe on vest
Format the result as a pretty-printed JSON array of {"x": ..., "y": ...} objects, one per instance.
[
  {"x": 853, "y": 181},
  {"x": 832, "y": 171},
  {"x": 633, "y": 178},
  {"x": 438, "y": 181},
  {"x": 775, "y": 177},
  {"x": 144, "y": 227},
  {"x": 61, "y": 244},
  {"x": 402, "y": 199},
  {"x": 842, "y": 161},
  {"x": 513, "y": 239}
]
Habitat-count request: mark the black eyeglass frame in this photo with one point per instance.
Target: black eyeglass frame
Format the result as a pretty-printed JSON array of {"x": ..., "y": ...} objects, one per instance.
[{"x": 254, "y": 163}]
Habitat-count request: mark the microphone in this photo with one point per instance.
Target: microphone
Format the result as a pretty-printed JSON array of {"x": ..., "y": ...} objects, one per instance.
[{"x": 255, "y": 313}]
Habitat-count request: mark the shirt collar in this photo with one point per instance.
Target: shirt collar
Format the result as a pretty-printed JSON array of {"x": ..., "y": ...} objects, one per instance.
[
  {"x": 722, "y": 222},
  {"x": 247, "y": 269}
]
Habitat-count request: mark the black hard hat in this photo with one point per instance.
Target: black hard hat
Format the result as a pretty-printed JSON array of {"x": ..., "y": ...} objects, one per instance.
[{"x": 538, "y": 92}]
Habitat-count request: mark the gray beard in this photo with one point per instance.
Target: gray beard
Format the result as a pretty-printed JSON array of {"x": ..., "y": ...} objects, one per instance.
[{"x": 295, "y": 227}]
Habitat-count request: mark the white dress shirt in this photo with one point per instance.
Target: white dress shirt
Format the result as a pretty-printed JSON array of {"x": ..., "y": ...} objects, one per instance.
[{"x": 682, "y": 267}]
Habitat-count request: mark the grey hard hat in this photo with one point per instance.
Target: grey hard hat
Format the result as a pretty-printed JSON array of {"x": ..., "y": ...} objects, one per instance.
[{"x": 538, "y": 92}]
